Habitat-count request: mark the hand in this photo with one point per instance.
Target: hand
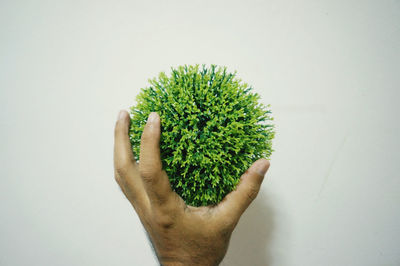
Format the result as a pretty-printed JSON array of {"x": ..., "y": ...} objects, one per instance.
[{"x": 180, "y": 234}]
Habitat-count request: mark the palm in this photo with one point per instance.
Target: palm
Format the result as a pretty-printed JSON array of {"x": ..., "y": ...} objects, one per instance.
[{"x": 179, "y": 233}]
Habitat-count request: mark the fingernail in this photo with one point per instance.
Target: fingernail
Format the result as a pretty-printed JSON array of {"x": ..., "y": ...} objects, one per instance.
[
  {"x": 121, "y": 114},
  {"x": 152, "y": 117},
  {"x": 261, "y": 167}
]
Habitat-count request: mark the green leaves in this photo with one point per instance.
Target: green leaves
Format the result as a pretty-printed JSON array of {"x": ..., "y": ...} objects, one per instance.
[{"x": 212, "y": 129}]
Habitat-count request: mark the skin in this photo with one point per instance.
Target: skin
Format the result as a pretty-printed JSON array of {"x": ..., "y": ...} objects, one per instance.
[{"x": 180, "y": 234}]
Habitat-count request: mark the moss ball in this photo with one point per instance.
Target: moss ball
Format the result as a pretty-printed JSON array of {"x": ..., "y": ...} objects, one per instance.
[{"x": 212, "y": 129}]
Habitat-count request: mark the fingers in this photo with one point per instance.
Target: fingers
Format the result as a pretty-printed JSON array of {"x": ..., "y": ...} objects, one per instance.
[
  {"x": 123, "y": 155},
  {"x": 236, "y": 202},
  {"x": 125, "y": 166},
  {"x": 155, "y": 179}
]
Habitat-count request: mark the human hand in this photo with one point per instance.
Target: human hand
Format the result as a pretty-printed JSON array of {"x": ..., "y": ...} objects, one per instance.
[{"x": 180, "y": 234}]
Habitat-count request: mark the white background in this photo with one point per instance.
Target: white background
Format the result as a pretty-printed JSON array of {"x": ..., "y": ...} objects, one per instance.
[{"x": 329, "y": 69}]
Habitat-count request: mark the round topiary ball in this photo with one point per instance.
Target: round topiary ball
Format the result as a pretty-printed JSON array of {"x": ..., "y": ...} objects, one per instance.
[{"x": 212, "y": 129}]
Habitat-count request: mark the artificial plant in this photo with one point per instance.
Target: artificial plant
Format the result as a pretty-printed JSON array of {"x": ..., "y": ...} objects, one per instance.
[{"x": 212, "y": 129}]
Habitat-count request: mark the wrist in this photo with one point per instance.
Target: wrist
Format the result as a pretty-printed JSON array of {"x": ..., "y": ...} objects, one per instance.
[
  {"x": 191, "y": 263},
  {"x": 186, "y": 262}
]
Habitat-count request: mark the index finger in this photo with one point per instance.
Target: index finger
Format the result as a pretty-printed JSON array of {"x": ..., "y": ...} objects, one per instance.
[{"x": 155, "y": 179}]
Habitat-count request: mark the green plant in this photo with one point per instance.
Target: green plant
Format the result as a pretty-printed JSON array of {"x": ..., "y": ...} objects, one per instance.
[{"x": 212, "y": 129}]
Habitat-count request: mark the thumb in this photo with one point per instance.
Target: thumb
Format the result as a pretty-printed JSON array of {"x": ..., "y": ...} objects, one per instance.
[{"x": 236, "y": 202}]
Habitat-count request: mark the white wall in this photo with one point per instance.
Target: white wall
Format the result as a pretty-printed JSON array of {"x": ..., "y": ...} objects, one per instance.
[{"x": 330, "y": 70}]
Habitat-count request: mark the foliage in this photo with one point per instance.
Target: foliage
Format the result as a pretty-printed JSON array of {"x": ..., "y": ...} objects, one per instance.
[{"x": 212, "y": 129}]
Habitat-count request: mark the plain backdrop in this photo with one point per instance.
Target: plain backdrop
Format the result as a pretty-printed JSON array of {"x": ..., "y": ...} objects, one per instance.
[{"x": 329, "y": 69}]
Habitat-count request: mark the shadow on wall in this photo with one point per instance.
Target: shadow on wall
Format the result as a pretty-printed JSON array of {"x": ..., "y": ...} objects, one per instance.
[{"x": 251, "y": 241}]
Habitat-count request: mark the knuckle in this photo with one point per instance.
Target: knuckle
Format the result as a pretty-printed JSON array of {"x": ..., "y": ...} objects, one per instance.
[
  {"x": 162, "y": 202},
  {"x": 164, "y": 220},
  {"x": 146, "y": 174},
  {"x": 120, "y": 180},
  {"x": 148, "y": 171},
  {"x": 121, "y": 170},
  {"x": 252, "y": 192}
]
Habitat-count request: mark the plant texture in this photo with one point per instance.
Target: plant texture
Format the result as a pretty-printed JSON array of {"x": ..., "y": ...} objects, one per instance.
[{"x": 212, "y": 129}]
